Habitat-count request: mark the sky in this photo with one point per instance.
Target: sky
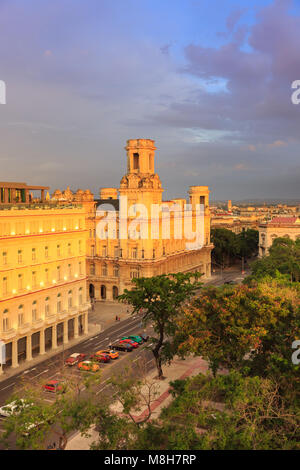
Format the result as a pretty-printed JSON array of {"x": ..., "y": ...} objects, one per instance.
[{"x": 208, "y": 80}]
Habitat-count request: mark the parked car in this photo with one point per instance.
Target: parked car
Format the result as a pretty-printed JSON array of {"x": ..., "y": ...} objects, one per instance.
[
  {"x": 134, "y": 344},
  {"x": 135, "y": 338},
  {"x": 124, "y": 347},
  {"x": 232, "y": 283},
  {"x": 100, "y": 357},
  {"x": 74, "y": 359},
  {"x": 14, "y": 407},
  {"x": 88, "y": 366},
  {"x": 110, "y": 352},
  {"x": 54, "y": 386}
]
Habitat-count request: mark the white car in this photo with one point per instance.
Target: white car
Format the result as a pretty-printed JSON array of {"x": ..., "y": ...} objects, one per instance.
[{"x": 15, "y": 407}]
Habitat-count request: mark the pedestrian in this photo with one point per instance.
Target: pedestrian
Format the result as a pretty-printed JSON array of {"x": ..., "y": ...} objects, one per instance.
[{"x": 116, "y": 317}]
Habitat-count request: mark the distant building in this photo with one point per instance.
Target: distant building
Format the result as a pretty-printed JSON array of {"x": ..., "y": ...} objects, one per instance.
[{"x": 288, "y": 227}]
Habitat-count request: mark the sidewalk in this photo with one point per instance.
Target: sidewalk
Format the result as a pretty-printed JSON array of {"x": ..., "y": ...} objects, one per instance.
[
  {"x": 100, "y": 319},
  {"x": 178, "y": 369}
]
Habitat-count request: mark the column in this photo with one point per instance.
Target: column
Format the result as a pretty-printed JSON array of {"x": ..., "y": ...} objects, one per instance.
[
  {"x": 54, "y": 336},
  {"x": 1, "y": 369},
  {"x": 42, "y": 341},
  {"x": 15, "y": 354},
  {"x": 66, "y": 337},
  {"x": 85, "y": 323},
  {"x": 42, "y": 195},
  {"x": 6, "y": 195},
  {"x": 76, "y": 327},
  {"x": 28, "y": 348}
]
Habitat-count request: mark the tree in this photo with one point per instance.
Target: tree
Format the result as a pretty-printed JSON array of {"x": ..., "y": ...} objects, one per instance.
[
  {"x": 226, "y": 245},
  {"x": 161, "y": 299},
  {"x": 283, "y": 257},
  {"x": 248, "y": 326},
  {"x": 226, "y": 412},
  {"x": 248, "y": 243}
]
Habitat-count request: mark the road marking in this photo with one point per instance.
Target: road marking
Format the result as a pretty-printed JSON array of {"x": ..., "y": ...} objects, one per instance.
[
  {"x": 7, "y": 386},
  {"x": 44, "y": 371}
]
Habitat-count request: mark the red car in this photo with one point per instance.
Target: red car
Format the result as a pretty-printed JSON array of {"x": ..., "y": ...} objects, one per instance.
[
  {"x": 100, "y": 357},
  {"x": 74, "y": 359},
  {"x": 53, "y": 386},
  {"x": 134, "y": 344}
]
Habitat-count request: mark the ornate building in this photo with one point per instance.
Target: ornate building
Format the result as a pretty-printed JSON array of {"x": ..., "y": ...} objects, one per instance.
[
  {"x": 113, "y": 262},
  {"x": 287, "y": 227},
  {"x": 43, "y": 299}
]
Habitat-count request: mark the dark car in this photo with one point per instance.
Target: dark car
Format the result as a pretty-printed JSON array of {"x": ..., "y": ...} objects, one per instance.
[
  {"x": 100, "y": 357},
  {"x": 231, "y": 283},
  {"x": 124, "y": 347}
]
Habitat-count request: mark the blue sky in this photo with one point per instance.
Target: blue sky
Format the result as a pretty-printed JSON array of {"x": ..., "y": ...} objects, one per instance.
[{"x": 209, "y": 81}]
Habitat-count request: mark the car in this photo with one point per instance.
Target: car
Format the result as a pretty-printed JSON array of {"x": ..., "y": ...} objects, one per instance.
[
  {"x": 14, "y": 407},
  {"x": 134, "y": 344},
  {"x": 53, "y": 386},
  {"x": 88, "y": 366},
  {"x": 74, "y": 359},
  {"x": 110, "y": 352},
  {"x": 230, "y": 283},
  {"x": 100, "y": 357},
  {"x": 144, "y": 337},
  {"x": 124, "y": 347},
  {"x": 135, "y": 338}
]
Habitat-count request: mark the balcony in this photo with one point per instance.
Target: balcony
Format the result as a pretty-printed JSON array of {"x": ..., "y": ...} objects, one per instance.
[
  {"x": 38, "y": 323},
  {"x": 63, "y": 314},
  {"x": 84, "y": 307},
  {"x": 9, "y": 334},
  {"x": 25, "y": 328},
  {"x": 50, "y": 319}
]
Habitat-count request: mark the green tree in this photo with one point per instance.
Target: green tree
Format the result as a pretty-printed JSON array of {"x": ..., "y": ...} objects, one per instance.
[
  {"x": 161, "y": 299},
  {"x": 248, "y": 326},
  {"x": 226, "y": 245},
  {"x": 283, "y": 257}
]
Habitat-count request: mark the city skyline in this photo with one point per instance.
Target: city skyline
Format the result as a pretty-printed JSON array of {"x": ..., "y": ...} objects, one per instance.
[{"x": 211, "y": 84}]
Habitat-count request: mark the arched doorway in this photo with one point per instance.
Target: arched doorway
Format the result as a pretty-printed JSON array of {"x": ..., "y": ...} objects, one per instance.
[
  {"x": 103, "y": 292},
  {"x": 92, "y": 291},
  {"x": 115, "y": 292}
]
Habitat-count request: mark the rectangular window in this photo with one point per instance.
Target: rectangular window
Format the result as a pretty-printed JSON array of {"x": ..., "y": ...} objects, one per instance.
[
  {"x": 46, "y": 252},
  {"x": 34, "y": 314},
  {"x": 4, "y": 257},
  {"x": 69, "y": 248},
  {"x": 20, "y": 256},
  {"x": 4, "y": 285},
  {"x": 20, "y": 319},
  {"x": 34, "y": 279},
  {"x": 58, "y": 250},
  {"x": 80, "y": 268},
  {"x": 20, "y": 282},
  {"x": 58, "y": 273},
  {"x": 33, "y": 254},
  {"x": 5, "y": 324}
]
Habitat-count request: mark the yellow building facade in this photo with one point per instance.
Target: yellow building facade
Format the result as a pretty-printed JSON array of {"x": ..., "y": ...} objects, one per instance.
[{"x": 43, "y": 298}]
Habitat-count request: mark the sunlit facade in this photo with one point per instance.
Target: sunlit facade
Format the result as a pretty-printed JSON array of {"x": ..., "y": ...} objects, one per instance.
[{"x": 43, "y": 299}]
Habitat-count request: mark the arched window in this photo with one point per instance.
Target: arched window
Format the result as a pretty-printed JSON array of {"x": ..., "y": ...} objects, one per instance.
[
  {"x": 5, "y": 320},
  {"x": 70, "y": 299},
  {"x": 21, "y": 315},
  {"x": 34, "y": 311},
  {"x": 80, "y": 296},
  {"x": 47, "y": 306},
  {"x": 58, "y": 303}
]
